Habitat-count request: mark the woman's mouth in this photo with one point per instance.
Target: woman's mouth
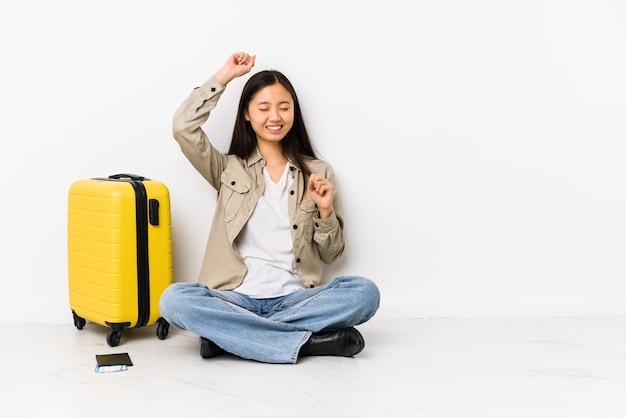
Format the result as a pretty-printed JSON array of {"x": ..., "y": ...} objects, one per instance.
[{"x": 274, "y": 128}]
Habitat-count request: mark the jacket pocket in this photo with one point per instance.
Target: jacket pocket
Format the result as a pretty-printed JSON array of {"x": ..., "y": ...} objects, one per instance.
[
  {"x": 233, "y": 191},
  {"x": 308, "y": 211}
]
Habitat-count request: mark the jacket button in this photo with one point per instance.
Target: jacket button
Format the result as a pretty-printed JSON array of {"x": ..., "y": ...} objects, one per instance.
[
  {"x": 298, "y": 260},
  {"x": 312, "y": 286},
  {"x": 213, "y": 89},
  {"x": 232, "y": 183},
  {"x": 291, "y": 192},
  {"x": 295, "y": 227}
]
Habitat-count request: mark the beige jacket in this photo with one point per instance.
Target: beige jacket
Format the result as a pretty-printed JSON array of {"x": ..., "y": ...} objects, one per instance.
[{"x": 240, "y": 184}]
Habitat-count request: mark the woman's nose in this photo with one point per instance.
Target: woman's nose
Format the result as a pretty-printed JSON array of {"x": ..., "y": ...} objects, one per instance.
[{"x": 274, "y": 115}]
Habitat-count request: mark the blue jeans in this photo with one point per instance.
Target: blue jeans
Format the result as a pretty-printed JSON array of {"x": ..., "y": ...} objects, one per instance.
[{"x": 269, "y": 330}]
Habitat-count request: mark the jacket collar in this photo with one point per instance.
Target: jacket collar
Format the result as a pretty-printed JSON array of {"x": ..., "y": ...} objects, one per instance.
[{"x": 256, "y": 157}]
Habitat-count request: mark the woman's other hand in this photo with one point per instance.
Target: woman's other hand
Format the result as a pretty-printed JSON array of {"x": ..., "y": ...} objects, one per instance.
[{"x": 321, "y": 192}]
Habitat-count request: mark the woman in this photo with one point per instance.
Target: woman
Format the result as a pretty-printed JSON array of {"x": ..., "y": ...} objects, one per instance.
[{"x": 260, "y": 294}]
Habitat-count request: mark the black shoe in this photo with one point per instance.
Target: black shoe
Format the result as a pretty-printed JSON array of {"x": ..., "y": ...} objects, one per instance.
[
  {"x": 209, "y": 349},
  {"x": 346, "y": 342}
]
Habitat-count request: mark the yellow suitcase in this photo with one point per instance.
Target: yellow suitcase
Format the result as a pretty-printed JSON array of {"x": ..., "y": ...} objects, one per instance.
[{"x": 119, "y": 252}]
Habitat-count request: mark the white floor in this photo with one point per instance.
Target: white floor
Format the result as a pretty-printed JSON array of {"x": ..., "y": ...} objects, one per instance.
[{"x": 552, "y": 367}]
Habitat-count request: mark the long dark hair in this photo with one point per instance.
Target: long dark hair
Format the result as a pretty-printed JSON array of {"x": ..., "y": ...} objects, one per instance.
[{"x": 296, "y": 145}]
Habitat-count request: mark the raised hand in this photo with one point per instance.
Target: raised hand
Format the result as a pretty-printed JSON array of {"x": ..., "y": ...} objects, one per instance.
[{"x": 236, "y": 65}]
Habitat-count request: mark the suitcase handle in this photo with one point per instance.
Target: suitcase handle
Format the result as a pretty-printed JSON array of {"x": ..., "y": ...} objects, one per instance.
[
  {"x": 127, "y": 176},
  {"x": 153, "y": 212}
]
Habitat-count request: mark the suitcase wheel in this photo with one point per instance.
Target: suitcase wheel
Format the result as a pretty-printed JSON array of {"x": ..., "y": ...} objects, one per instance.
[
  {"x": 163, "y": 328},
  {"x": 79, "y": 322},
  {"x": 113, "y": 337}
]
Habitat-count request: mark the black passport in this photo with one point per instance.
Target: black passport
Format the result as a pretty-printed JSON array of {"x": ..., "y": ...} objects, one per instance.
[{"x": 117, "y": 359}]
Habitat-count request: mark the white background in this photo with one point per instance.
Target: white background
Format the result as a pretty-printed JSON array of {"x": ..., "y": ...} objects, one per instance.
[{"x": 479, "y": 145}]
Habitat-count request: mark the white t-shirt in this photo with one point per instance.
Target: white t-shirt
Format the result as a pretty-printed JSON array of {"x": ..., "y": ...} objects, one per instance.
[{"x": 266, "y": 246}]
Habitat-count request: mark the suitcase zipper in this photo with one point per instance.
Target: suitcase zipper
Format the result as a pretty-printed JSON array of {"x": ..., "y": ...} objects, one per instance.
[{"x": 143, "y": 270}]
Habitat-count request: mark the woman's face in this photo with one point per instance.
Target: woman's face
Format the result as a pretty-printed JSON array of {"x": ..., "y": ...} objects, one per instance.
[{"x": 270, "y": 113}]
